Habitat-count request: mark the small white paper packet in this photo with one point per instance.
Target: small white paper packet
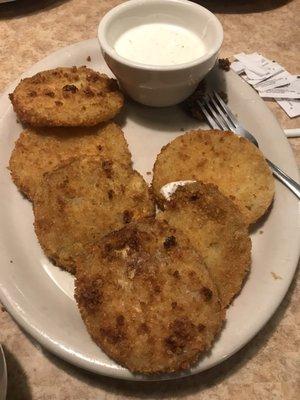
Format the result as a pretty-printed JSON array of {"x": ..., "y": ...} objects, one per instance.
[
  {"x": 270, "y": 79},
  {"x": 291, "y": 91},
  {"x": 278, "y": 80},
  {"x": 252, "y": 62},
  {"x": 257, "y": 67},
  {"x": 291, "y": 107},
  {"x": 237, "y": 67}
]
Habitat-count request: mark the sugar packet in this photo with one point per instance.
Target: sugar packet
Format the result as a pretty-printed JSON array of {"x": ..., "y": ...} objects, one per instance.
[
  {"x": 281, "y": 79},
  {"x": 291, "y": 91},
  {"x": 270, "y": 79},
  {"x": 291, "y": 107}
]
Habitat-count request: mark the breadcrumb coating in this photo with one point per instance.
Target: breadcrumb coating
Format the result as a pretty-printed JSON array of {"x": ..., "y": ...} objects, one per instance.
[
  {"x": 83, "y": 200},
  {"x": 216, "y": 229},
  {"x": 231, "y": 162},
  {"x": 41, "y": 150},
  {"x": 147, "y": 299},
  {"x": 67, "y": 97}
]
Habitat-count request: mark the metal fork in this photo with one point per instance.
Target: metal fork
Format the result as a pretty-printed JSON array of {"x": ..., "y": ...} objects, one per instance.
[{"x": 219, "y": 116}]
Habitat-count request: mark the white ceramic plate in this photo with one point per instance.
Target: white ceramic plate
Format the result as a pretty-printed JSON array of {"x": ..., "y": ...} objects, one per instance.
[{"x": 40, "y": 296}]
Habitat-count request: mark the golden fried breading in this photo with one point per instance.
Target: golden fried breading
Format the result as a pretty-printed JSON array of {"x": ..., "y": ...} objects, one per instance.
[
  {"x": 231, "y": 162},
  {"x": 216, "y": 229},
  {"x": 83, "y": 200},
  {"x": 147, "y": 299},
  {"x": 40, "y": 151},
  {"x": 67, "y": 97}
]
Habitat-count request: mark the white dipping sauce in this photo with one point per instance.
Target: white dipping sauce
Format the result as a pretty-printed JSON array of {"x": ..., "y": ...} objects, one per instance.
[{"x": 160, "y": 44}]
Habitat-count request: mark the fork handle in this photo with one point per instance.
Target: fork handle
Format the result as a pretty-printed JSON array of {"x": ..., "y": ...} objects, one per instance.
[{"x": 285, "y": 179}]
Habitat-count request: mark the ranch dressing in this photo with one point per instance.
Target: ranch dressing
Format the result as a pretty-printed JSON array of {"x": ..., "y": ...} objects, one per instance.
[
  {"x": 160, "y": 44},
  {"x": 170, "y": 188}
]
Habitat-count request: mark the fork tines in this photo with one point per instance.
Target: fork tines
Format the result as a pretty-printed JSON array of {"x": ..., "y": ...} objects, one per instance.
[{"x": 217, "y": 112}]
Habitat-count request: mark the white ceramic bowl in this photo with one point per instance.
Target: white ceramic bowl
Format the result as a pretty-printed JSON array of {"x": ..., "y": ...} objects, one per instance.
[{"x": 160, "y": 85}]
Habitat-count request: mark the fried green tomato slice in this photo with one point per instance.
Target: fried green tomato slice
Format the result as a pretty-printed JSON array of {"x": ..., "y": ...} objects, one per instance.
[
  {"x": 41, "y": 150},
  {"x": 234, "y": 164},
  {"x": 216, "y": 228},
  {"x": 67, "y": 97},
  {"x": 147, "y": 299},
  {"x": 83, "y": 200}
]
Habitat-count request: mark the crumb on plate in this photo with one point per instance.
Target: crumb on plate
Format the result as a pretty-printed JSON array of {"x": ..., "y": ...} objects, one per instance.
[
  {"x": 224, "y": 64},
  {"x": 275, "y": 276}
]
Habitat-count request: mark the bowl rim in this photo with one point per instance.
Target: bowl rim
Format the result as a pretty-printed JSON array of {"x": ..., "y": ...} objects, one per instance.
[{"x": 114, "y": 12}]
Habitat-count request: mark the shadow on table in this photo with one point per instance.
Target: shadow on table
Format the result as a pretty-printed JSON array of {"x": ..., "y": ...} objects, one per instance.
[
  {"x": 22, "y": 7},
  {"x": 241, "y": 6},
  {"x": 19, "y": 8},
  {"x": 17, "y": 385},
  {"x": 186, "y": 386}
]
